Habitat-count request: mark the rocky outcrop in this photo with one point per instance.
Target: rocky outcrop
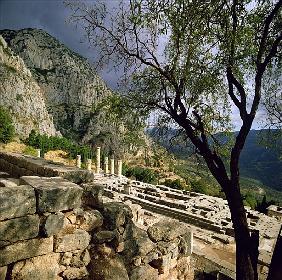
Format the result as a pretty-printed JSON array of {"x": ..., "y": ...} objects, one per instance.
[
  {"x": 20, "y": 93},
  {"x": 71, "y": 87}
]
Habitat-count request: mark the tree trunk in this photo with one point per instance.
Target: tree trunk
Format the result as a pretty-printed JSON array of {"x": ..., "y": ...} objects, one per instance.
[{"x": 246, "y": 247}]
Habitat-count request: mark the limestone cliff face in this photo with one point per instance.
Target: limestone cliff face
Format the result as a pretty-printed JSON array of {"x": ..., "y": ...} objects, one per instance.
[
  {"x": 70, "y": 85},
  {"x": 20, "y": 93}
]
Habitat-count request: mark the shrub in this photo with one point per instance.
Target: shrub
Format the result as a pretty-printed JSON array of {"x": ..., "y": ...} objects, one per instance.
[
  {"x": 145, "y": 175},
  {"x": 30, "y": 151},
  {"x": 199, "y": 186},
  {"x": 47, "y": 143},
  {"x": 175, "y": 184},
  {"x": 7, "y": 129}
]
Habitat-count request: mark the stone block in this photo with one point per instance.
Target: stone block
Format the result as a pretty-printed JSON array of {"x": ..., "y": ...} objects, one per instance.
[
  {"x": 3, "y": 272},
  {"x": 7, "y": 183},
  {"x": 165, "y": 230},
  {"x": 54, "y": 194},
  {"x": 92, "y": 195},
  {"x": 4, "y": 174},
  {"x": 116, "y": 214},
  {"x": 53, "y": 224},
  {"x": 25, "y": 249},
  {"x": 18, "y": 229},
  {"x": 16, "y": 202},
  {"x": 38, "y": 268},
  {"x": 78, "y": 240}
]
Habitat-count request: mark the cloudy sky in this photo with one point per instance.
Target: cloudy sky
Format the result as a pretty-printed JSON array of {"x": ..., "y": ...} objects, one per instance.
[{"x": 51, "y": 16}]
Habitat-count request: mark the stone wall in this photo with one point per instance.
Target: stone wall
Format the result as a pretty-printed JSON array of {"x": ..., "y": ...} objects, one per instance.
[
  {"x": 51, "y": 228},
  {"x": 22, "y": 165}
]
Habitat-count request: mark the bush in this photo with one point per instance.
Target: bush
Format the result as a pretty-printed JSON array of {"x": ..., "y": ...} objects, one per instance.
[
  {"x": 7, "y": 129},
  {"x": 145, "y": 175},
  {"x": 199, "y": 186},
  {"x": 47, "y": 143},
  {"x": 175, "y": 184},
  {"x": 30, "y": 151}
]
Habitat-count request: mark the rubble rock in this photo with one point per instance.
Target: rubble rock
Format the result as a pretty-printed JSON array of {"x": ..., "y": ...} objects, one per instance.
[
  {"x": 53, "y": 224},
  {"x": 38, "y": 268}
]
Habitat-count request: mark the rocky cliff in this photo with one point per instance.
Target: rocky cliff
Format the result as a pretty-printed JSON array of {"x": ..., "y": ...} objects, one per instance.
[
  {"x": 69, "y": 84},
  {"x": 20, "y": 93}
]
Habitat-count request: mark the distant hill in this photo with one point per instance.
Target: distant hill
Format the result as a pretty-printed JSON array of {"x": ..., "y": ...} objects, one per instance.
[{"x": 258, "y": 161}]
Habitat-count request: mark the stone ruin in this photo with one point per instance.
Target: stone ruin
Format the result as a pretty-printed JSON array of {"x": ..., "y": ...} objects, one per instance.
[{"x": 62, "y": 222}]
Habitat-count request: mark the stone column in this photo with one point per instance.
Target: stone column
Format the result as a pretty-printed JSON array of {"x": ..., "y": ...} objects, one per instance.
[
  {"x": 127, "y": 189},
  {"x": 38, "y": 153},
  {"x": 98, "y": 160},
  {"x": 106, "y": 163},
  {"x": 119, "y": 167},
  {"x": 78, "y": 161},
  {"x": 112, "y": 166},
  {"x": 89, "y": 164}
]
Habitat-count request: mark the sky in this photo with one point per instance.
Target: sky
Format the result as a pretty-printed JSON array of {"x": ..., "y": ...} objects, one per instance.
[{"x": 52, "y": 16}]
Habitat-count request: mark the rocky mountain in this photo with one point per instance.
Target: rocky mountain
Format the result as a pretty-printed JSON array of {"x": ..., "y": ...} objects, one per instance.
[
  {"x": 68, "y": 83},
  {"x": 20, "y": 93}
]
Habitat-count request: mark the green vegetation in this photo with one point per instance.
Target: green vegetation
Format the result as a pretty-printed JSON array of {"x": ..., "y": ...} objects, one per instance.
[
  {"x": 145, "y": 175},
  {"x": 7, "y": 129},
  {"x": 30, "y": 151},
  {"x": 175, "y": 184},
  {"x": 46, "y": 143}
]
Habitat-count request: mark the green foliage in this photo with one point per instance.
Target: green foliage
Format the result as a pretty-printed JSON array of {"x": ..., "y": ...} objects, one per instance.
[
  {"x": 30, "y": 151},
  {"x": 199, "y": 186},
  {"x": 250, "y": 200},
  {"x": 145, "y": 175},
  {"x": 175, "y": 184},
  {"x": 7, "y": 129},
  {"x": 46, "y": 143}
]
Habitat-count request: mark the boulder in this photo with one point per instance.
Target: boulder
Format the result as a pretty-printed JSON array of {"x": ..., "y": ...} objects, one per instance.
[
  {"x": 144, "y": 272},
  {"x": 104, "y": 268}
]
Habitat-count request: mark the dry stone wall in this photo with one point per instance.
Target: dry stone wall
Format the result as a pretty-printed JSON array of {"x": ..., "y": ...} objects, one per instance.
[{"x": 52, "y": 228}]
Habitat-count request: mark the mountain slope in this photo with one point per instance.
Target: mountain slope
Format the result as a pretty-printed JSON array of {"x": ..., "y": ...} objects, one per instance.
[
  {"x": 70, "y": 85},
  {"x": 257, "y": 161},
  {"x": 20, "y": 93}
]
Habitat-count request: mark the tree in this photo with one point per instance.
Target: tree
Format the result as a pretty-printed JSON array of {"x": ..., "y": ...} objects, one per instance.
[
  {"x": 191, "y": 61},
  {"x": 7, "y": 129}
]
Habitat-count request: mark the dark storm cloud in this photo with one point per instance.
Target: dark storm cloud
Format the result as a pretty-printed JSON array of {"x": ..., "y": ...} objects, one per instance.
[{"x": 51, "y": 16}]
